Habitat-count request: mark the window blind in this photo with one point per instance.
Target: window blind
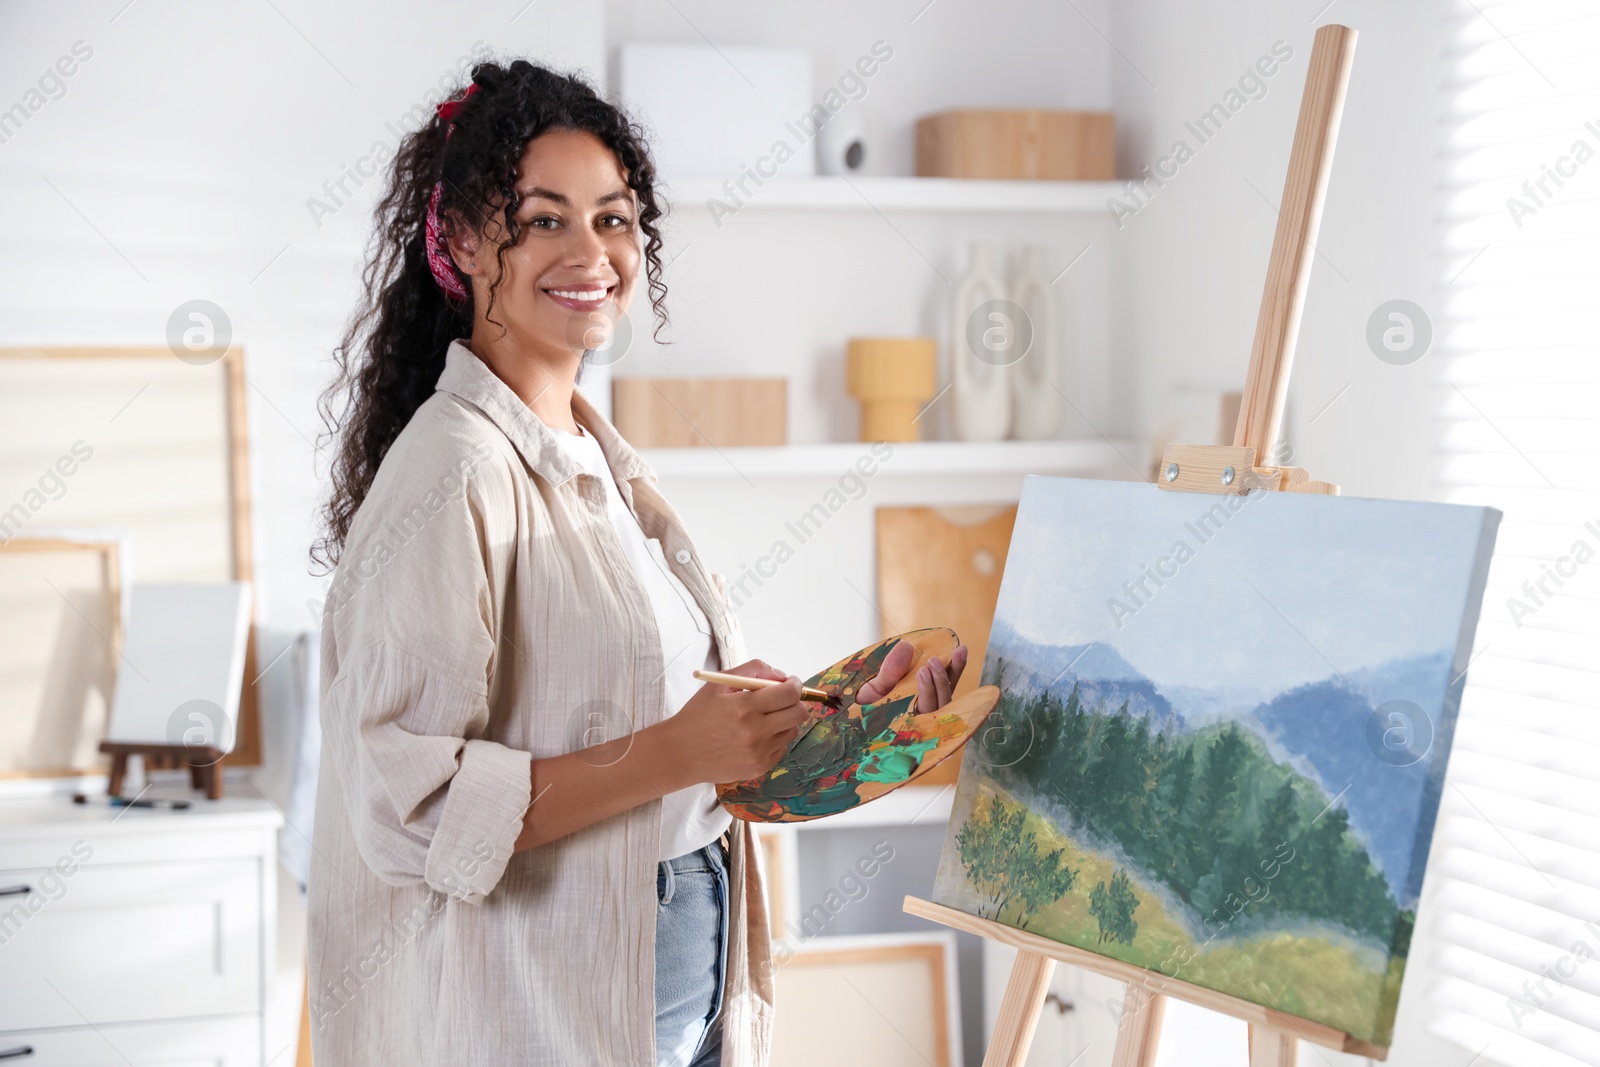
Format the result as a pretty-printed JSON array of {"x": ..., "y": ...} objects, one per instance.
[{"x": 1514, "y": 892}]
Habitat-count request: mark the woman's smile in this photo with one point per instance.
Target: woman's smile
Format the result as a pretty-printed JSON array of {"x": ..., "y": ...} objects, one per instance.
[{"x": 580, "y": 296}]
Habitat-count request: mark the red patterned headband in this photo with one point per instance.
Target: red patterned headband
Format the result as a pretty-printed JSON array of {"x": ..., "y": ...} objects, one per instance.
[{"x": 439, "y": 261}]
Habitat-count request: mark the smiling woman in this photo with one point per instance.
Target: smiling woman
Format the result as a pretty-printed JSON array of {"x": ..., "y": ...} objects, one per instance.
[
  {"x": 517, "y": 757},
  {"x": 571, "y": 274}
]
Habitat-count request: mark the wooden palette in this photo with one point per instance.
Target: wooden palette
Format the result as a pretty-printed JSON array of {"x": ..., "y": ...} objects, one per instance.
[{"x": 847, "y": 754}]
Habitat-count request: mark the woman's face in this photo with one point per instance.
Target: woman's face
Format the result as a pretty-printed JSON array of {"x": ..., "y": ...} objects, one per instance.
[{"x": 572, "y": 271}]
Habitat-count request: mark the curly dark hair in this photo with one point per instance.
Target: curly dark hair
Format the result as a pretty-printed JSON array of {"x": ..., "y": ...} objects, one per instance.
[{"x": 393, "y": 351}]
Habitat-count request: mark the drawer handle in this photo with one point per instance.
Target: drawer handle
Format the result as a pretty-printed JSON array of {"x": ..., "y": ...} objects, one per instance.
[
  {"x": 16, "y": 1053},
  {"x": 16, "y": 890}
]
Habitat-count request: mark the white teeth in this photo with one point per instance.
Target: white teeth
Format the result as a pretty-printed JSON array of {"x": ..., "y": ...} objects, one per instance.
[{"x": 587, "y": 295}]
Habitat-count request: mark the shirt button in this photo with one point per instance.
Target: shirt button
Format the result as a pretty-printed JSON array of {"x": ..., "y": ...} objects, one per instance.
[{"x": 682, "y": 555}]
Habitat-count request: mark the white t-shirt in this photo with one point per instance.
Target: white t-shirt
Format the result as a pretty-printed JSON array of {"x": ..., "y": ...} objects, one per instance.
[{"x": 690, "y": 818}]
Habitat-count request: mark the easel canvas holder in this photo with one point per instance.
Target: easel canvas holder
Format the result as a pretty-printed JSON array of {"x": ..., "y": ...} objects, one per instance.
[{"x": 1221, "y": 469}]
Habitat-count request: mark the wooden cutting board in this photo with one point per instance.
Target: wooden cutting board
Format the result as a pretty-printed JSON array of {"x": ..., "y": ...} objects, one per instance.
[{"x": 942, "y": 567}]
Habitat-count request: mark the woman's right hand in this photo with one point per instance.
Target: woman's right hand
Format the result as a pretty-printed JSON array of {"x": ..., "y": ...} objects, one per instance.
[{"x": 729, "y": 735}]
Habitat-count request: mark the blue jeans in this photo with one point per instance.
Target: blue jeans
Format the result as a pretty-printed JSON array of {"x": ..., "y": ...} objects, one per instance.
[{"x": 691, "y": 957}]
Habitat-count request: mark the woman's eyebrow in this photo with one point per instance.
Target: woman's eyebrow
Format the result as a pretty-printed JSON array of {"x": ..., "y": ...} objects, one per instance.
[{"x": 550, "y": 194}]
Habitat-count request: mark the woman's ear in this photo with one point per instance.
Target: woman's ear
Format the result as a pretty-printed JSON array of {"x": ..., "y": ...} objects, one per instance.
[{"x": 463, "y": 243}]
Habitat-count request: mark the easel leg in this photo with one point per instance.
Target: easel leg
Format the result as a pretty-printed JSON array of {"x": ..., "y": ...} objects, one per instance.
[
  {"x": 1272, "y": 1048},
  {"x": 1019, "y": 1010},
  {"x": 1139, "y": 1029},
  {"x": 211, "y": 777}
]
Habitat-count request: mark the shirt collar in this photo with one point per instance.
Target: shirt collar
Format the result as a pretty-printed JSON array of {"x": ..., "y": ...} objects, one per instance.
[{"x": 469, "y": 378}]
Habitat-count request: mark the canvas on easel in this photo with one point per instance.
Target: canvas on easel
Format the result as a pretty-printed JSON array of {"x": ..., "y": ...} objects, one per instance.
[{"x": 1222, "y": 735}]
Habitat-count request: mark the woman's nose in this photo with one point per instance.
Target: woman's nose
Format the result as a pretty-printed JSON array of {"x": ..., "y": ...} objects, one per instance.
[{"x": 584, "y": 248}]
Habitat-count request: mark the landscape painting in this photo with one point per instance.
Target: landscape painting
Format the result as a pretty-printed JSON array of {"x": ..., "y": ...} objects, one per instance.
[{"x": 1222, "y": 735}]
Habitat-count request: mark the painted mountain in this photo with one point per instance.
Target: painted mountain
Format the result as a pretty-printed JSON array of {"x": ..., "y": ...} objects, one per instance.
[{"x": 1222, "y": 737}]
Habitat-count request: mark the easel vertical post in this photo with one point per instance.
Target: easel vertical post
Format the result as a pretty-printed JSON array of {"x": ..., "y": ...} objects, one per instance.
[
  {"x": 1026, "y": 990},
  {"x": 1294, "y": 244},
  {"x": 1139, "y": 1027},
  {"x": 1272, "y": 1048}
]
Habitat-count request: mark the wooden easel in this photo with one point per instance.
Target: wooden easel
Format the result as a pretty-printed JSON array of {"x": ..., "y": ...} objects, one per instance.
[
  {"x": 203, "y": 761},
  {"x": 1226, "y": 469}
]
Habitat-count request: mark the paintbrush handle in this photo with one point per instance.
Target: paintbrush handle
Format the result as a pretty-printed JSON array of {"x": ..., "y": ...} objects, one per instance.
[{"x": 739, "y": 681}]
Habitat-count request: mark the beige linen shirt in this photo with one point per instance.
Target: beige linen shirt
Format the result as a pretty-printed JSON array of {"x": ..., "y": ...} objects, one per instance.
[{"x": 483, "y": 615}]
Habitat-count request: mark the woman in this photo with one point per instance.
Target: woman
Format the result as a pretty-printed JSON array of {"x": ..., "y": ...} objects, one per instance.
[{"x": 519, "y": 855}]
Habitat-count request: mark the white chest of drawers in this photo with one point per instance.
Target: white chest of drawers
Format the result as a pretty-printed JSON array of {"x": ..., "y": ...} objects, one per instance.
[{"x": 133, "y": 936}]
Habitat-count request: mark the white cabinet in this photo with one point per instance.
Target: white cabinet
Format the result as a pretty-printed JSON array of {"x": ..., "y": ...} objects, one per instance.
[
  {"x": 135, "y": 936},
  {"x": 233, "y": 1042}
]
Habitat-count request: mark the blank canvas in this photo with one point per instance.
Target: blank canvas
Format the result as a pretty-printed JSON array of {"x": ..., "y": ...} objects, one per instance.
[
  {"x": 59, "y": 616},
  {"x": 185, "y": 644},
  {"x": 886, "y": 1000}
]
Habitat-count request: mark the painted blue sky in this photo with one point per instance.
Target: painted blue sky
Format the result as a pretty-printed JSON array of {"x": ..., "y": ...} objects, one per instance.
[{"x": 1340, "y": 583}]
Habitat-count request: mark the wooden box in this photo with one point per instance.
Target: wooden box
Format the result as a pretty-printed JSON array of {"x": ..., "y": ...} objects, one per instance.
[
  {"x": 992, "y": 143},
  {"x": 701, "y": 412}
]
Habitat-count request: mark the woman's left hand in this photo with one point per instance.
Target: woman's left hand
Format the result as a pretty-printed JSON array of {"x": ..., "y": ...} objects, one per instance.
[{"x": 935, "y": 681}]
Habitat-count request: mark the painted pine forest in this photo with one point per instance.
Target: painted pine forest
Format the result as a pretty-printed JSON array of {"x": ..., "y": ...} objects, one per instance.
[{"x": 1190, "y": 852}]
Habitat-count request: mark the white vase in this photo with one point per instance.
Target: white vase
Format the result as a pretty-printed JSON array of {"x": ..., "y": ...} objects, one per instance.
[
  {"x": 982, "y": 335},
  {"x": 1037, "y": 404},
  {"x": 842, "y": 143}
]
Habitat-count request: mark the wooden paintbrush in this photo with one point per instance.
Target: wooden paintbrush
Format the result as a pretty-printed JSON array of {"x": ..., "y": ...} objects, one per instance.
[{"x": 739, "y": 681}]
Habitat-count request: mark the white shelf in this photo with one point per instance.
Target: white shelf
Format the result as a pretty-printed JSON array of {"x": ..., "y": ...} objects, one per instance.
[
  {"x": 1107, "y": 458},
  {"x": 894, "y": 194}
]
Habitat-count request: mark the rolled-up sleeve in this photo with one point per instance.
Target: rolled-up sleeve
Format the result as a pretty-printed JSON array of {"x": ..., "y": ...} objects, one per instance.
[
  {"x": 405, "y": 712},
  {"x": 429, "y": 803}
]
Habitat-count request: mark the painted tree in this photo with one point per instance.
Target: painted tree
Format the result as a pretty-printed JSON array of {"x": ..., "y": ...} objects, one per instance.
[
  {"x": 1113, "y": 906},
  {"x": 1042, "y": 879},
  {"x": 988, "y": 844},
  {"x": 976, "y": 844},
  {"x": 1070, "y": 751},
  {"x": 1216, "y": 802},
  {"x": 1010, "y": 866},
  {"x": 1280, "y": 828}
]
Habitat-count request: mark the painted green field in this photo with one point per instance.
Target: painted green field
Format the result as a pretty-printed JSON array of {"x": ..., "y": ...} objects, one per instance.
[{"x": 1309, "y": 976}]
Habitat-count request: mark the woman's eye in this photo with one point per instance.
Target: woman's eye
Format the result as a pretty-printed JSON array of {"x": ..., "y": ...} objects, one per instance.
[
  {"x": 544, "y": 222},
  {"x": 616, "y": 222}
]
